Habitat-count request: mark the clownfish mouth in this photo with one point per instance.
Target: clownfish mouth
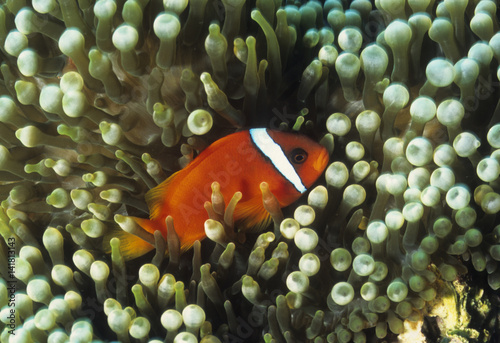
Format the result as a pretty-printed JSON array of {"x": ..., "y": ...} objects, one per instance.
[{"x": 322, "y": 160}]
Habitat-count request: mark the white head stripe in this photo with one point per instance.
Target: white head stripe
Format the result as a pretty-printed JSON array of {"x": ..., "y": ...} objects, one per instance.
[{"x": 274, "y": 152}]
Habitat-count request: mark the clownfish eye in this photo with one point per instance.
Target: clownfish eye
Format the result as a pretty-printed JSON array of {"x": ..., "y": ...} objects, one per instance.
[{"x": 298, "y": 155}]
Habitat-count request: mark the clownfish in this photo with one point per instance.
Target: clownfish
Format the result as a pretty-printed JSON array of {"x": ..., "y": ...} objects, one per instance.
[{"x": 290, "y": 163}]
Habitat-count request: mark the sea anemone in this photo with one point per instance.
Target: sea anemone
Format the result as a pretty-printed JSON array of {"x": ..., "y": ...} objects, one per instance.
[{"x": 101, "y": 101}]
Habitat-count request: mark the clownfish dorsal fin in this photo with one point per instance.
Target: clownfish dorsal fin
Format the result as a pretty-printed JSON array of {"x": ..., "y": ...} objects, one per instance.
[
  {"x": 155, "y": 197},
  {"x": 251, "y": 216},
  {"x": 131, "y": 246}
]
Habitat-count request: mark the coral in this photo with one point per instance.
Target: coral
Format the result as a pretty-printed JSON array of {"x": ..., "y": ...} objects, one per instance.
[{"x": 100, "y": 101}]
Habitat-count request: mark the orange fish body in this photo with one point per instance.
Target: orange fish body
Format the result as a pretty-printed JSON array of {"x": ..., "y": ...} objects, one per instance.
[{"x": 289, "y": 163}]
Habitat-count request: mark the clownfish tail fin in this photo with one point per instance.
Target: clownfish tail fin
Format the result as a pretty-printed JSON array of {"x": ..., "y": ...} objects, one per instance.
[
  {"x": 130, "y": 245},
  {"x": 150, "y": 226},
  {"x": 136, "y": 237}
]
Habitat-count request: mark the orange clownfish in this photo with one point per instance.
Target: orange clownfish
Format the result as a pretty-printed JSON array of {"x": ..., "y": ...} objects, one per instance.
[{"x": 288, "y": 162}]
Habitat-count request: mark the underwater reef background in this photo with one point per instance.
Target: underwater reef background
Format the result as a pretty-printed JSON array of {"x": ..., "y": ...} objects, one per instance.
[{"x": 101, "y": 101}]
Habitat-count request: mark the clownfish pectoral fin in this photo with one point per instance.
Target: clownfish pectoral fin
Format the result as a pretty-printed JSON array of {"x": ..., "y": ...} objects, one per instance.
[
  {"x": 147, "y": 224},
  {"x": 131, "y": 246},
  {"x": 251, "y": 216},
  {"x": 155, "y": 197}
]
